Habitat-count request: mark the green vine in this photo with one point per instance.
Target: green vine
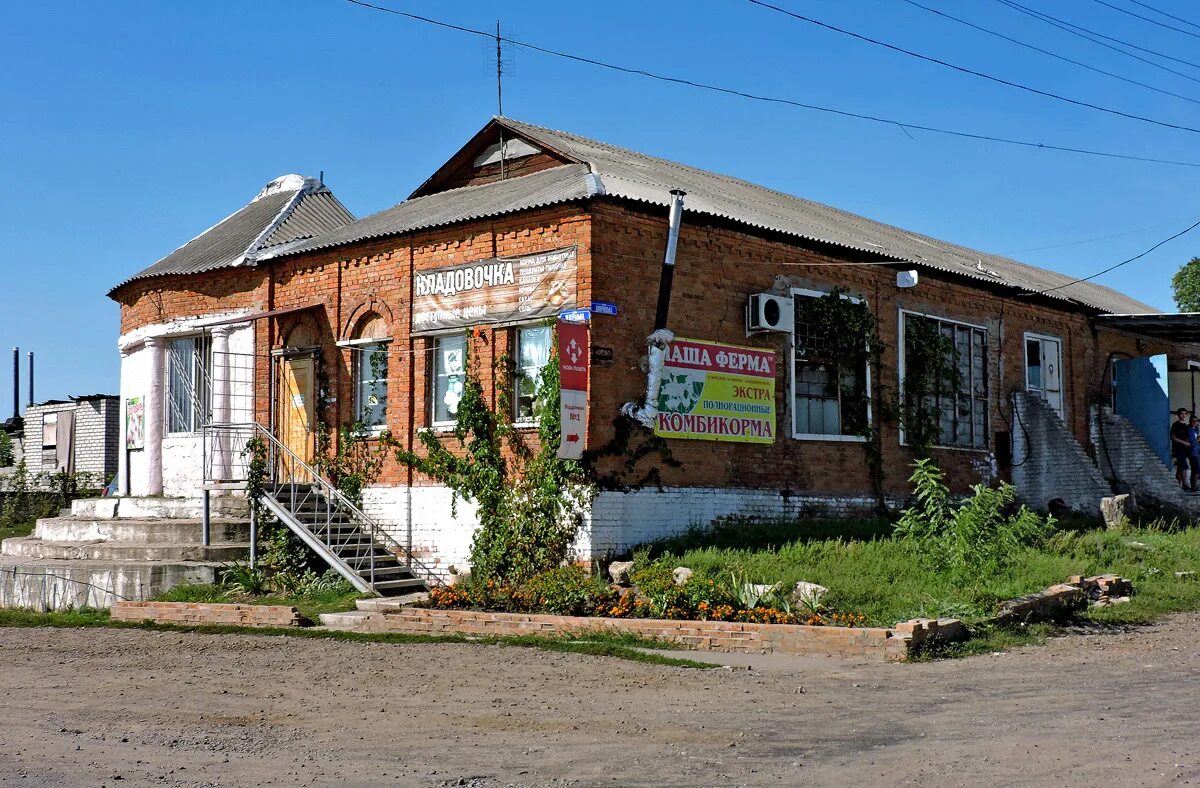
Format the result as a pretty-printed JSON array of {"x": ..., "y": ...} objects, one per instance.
[
  {"x": 844, "y": 338},
  {"x": 529, "y": 503},
  {"x": 630, "y": 444},
  {"x": 284, "y": 558},
  {"x": 929, "y": 373}
]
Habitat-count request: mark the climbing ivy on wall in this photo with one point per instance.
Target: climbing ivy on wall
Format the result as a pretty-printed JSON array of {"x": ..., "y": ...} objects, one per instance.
[
  {"x": 929, "y": 373},
  {"x": 529, "y": 503}
]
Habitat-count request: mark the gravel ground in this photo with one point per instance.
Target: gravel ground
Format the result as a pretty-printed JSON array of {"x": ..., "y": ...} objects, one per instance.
[{"x": 130, "y": 707}]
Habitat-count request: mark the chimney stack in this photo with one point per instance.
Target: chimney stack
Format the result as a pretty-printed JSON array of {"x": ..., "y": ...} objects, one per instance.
[
  {"x": 30, "y": 403},
  {"x": 16, "y": 382}
]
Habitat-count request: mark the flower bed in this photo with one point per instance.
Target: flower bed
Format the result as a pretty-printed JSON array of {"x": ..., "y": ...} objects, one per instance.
[{"x": 655, "y": 593}]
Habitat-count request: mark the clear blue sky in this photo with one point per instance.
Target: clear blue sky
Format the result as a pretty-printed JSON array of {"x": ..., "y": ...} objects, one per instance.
[{"x": 126, "y": 128}]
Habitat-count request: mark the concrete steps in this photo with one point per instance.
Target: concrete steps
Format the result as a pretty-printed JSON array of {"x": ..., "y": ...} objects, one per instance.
[
  {"x": 142, "y": 531},
  {"x": 117, "y": 549},
  {"x": 220, "y": 506},
  {"x": 350, "y": 621},
  {"x": 30, "y": 547},
  {"x": 48, "y": 584},
  {"x": 369, "y": 615}
]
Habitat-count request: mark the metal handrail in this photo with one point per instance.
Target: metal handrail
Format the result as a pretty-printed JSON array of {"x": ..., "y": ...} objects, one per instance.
[{"x": 331, "y": 494}]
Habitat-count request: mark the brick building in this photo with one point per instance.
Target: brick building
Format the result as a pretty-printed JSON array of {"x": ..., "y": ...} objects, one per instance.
[
  {"x": 78, "y": 435},
  {"x": 292, "y": 314}
]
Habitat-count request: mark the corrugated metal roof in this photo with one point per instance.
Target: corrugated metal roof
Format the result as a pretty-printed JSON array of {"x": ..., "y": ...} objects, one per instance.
[
  {"x": 635, "y": 176},
  {"x": 287, "y": 209},
  {"x": 548, "y": 187},
  {"x": 1177, "y": 327}
]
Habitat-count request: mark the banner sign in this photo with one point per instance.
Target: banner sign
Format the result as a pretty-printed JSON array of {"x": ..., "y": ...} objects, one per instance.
[
  {"x": 135, "y": 423},
  {"x": 573, "y": 363},
  {"x": 717, "y": 392},
  {"x": 498, "y": 291}
]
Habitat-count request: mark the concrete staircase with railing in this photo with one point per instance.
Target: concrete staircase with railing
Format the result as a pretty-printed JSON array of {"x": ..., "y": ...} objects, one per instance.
[
  {"x": 112, "y": 549},
  {"x": 342, "y": 539}
]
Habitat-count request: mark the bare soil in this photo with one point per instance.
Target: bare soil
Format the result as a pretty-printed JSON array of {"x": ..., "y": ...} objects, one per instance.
[{"x": 130, "y": 707}]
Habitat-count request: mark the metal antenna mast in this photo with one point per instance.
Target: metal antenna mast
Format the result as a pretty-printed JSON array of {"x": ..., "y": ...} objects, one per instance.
[{"x": 500, "y": 94}]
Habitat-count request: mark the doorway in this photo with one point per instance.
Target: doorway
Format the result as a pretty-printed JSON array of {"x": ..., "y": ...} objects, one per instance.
[
  {"x": 295, "y": 413},
  {"x": 1043, "y": 369}
]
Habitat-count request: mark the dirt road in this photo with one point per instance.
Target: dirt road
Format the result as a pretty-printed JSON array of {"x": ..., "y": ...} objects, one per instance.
[{"x": 118, "y": 707}]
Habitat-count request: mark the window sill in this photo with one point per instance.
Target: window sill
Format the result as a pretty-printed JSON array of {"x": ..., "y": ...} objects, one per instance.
[
  {"x": 976, "y": 449},
  {"x": 805, "y": 436}
]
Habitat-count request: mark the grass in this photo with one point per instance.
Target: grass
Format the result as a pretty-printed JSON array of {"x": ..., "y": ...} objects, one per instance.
[
  {"x": 311, "y": 606},
  {"x": 888, "y": 581},
  {"x": 16, "y": 529},
  {"x": 621, "y": 646}
]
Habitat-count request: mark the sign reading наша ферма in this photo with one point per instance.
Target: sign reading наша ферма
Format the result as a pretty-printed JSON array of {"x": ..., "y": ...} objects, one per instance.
[{"x": 498, "y": 291}]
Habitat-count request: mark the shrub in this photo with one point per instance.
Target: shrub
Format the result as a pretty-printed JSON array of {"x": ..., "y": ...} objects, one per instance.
[
  {"x": 979, "y": 536},
  {"x": 569, "y": 591},
  {"x": 6, "y": 450}
]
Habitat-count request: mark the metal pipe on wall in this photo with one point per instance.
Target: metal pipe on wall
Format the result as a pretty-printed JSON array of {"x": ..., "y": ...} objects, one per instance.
[
  {"x": 30, "y": 403},
  {"x": 668, "y": 267}
]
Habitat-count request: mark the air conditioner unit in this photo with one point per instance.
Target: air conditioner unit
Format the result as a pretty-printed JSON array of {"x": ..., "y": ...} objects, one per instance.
[{"x": 768, "y": 312}]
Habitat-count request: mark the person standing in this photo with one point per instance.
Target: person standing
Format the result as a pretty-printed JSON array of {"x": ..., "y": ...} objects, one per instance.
[
  {"x": 1181, "y": 446},
  {"x": 1194, "y": 452}
]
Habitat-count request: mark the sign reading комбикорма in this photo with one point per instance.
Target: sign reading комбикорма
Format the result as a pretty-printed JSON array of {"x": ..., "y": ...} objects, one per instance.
[{"x": 717, "y": 392}]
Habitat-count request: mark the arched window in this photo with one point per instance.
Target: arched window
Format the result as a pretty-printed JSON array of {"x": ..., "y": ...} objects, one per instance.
[{"x": 369, "y": 346}]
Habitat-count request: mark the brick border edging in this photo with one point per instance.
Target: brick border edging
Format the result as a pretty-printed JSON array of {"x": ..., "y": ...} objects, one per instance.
[
  {"x": 206, "y": 613},
  {"x": 896, "y": 644}
]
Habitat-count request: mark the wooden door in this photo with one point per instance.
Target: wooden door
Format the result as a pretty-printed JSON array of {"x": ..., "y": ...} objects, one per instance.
[{"x": 295, "y": 414}]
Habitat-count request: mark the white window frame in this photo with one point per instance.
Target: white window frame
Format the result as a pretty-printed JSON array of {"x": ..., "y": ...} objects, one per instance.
[
  {"x": 516, "y": 356},
  {"x": 900, "y": 353},
  {"x": 47, "y": 419},
  {"x": 810, "y": 436},
  {"x": 1025, "y": 365},
  {"x": 357, "y": 348},
  {"x": 201, "y": 340},
  {"x": 436, "y": 339}
]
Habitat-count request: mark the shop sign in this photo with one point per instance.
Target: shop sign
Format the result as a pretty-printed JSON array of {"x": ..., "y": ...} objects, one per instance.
[
  {"x": 573, "y": 363},
  {"x": 135, "y": 423},
  {"x": 497, "y": 291},
  {"x": 716, "y": 392}
]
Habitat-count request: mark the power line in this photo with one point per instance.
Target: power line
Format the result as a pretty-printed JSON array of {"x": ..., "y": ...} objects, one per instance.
[
  {"x": 904, "y": 125},
  {"x": 1164, "y": 13},
  {"x": 972, "y": 72},
  {"x": 1055, "y": 55},
  {"x": 1052, "y": 20},
  {"x": 1097, "y": 238},
  {"x": 1118, "y": 265},
  {"x": 1146, "y": 19}
]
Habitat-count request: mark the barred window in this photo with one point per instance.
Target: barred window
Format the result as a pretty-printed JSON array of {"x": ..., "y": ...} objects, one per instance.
[
  {"x": 189, "y": 398},
  {"x": 957, "y": 393}
]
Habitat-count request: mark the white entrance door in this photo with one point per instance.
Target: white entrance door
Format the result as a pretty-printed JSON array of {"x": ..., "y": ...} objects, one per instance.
[{"x": 1043, "y": 369}]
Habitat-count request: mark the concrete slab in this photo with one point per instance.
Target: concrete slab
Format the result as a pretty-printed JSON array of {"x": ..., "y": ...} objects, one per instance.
[
  {"x": 220, "y": 506},
  {"x": 146, "y": 531},
  {"x": 30, "y": 547},
  {"x": 46, "y": 584}
]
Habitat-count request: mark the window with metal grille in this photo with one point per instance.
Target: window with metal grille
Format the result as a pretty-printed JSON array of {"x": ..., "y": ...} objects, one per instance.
[
  {"x": 189, "y": 395},
  {"x": 959, "y": 401},
  {"x": 830, "y": 394}
]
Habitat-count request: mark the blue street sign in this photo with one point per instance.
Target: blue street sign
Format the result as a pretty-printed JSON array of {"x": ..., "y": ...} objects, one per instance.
[
  {"x": 604, "y": 308},
  {"x": 576, "y": 315}
]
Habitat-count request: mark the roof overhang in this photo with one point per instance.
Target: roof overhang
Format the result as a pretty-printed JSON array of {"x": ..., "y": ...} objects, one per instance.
[
  {"x": 260, "y": 315},
  {"x": 1176, "y": 327}
]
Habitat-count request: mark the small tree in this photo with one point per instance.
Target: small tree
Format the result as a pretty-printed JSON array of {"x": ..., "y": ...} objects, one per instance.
[
  {"x": 529, "y": 503},
  {"x": 6, "y": 450},
  {"x": 1186, "y": 284}
]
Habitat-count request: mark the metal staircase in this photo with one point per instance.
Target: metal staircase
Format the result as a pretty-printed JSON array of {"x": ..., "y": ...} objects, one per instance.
[{"x": 318, "y": 513}]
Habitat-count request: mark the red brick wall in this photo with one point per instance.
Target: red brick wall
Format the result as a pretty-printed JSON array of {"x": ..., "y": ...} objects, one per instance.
[
  {"x": 719, "y": 266},
  {"x": 619, "y": 256}
]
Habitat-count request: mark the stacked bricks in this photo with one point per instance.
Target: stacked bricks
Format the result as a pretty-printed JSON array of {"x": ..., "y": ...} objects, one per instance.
[
  {"x": 206, "y": 613},
  {"x": 724, "y": 636}
]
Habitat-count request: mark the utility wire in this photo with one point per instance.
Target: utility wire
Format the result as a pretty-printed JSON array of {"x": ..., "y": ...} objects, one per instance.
[
  {"x": 972, "y": 72},
  {"x": 1146, "y": 19},
  {"x": 903, "y": 125},
  {"x": 1047, "y": 52},
  {"x": 1098, "y": 238},
  {"x": 1060, "y": 22},
  {"x": 1114, "y": 267},
  {"x": 1164, "y": 13}
]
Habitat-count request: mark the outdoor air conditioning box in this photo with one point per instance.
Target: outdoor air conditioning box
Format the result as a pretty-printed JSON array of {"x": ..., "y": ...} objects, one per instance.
[{"x": 768, "y": 312}]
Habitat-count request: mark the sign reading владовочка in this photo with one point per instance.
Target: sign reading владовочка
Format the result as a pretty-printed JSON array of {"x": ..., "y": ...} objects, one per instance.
[
  {"x": 716, "y": 392},
  {"x": 497, "y": 291}
]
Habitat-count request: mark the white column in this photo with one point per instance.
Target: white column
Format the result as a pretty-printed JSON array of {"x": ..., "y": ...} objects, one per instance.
[
  {"x": 220, "y": 373},
  {"x": 123, "y": 486},
  {"x": 156, "y": 408}
]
